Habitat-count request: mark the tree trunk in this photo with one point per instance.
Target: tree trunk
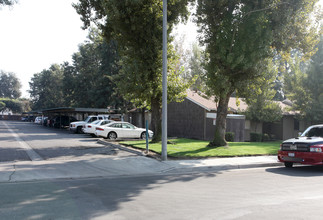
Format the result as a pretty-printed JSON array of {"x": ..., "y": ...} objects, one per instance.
[
  {"x": 220, "y": 127},
  {"x": 156, "y": 119}
]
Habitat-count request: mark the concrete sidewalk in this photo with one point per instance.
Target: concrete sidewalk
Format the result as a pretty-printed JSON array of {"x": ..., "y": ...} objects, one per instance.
[
  {"x": 215, "y": 164},
  {"x": 122, "y": 166}
]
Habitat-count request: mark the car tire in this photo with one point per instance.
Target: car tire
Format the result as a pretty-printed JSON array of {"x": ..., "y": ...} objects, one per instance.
[
  {"x": 112, "y": 136},
  {"x": 143, "y": 135},
  {"x": 79, "y": 130},
  {"x": 288, "y": 164}
]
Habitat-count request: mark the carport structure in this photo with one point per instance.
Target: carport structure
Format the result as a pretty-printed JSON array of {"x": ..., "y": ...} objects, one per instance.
[
  {"x": 31, "y": 115},
  {"x": 78, "y": 113}
]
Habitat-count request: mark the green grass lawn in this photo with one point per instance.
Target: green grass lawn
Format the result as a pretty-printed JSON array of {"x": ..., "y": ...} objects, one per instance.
[{"x": 189, "y": 148}]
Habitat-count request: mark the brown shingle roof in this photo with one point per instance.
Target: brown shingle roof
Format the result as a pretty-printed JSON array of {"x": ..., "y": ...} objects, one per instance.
[{"x": 210, "y": 105}]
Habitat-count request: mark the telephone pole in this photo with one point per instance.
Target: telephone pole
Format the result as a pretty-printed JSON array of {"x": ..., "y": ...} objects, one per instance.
[{"x": 164, "y": 97}]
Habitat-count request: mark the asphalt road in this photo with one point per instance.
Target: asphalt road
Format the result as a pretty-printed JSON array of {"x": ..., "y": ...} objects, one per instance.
[
  {"x": 20, "y": 141},
  {"x": 259, "y": 193}
]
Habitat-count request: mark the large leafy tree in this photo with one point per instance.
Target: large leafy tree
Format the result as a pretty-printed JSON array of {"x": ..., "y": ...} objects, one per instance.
[
  {"x": 84, "y": 83},
  {"x": 261, "y": 108},
  {"x": 13, "y": 105},
  {"x": 26, "y": 104},
  {"x": 314, "y": 85},
  {"x": 196, "y": 71},
  {"x": 192, "y": 61},
  {"x": 239, "y": 35},
  {"x": 294, "y": 81},
  {"x": 9, "y": 85},
  {"x": 2, "y": 106},
  {"x": 93, "y": 66},
  {"x": 46, "y": 88},
  {"x": 7, "y": 2},
  {"x": 69, "y": 84},
  {"x": 137, "y": 28},
  {"x": 304, "y": 86}
]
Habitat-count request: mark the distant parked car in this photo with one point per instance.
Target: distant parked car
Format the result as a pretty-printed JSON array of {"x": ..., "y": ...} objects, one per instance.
[
  {"x": 116, "y": 130},
  {"x": 77, "y": 127},
  {"x": 89, "y": 128},
  {"x": 44, "y": 121},
  {"x": 63, "y": 121},
  {"x": 28, "y": 118},
  {"x": 38, "y": 120}
]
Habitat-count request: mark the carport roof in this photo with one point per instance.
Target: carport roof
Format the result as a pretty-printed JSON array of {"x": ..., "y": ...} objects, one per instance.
[{"x": 68, "y": 109}]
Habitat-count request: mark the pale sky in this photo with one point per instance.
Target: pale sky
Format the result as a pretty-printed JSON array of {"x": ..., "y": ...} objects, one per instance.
[{"x": 36, "y": 34}]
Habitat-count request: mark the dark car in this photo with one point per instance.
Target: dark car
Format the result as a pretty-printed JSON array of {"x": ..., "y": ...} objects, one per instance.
[
  {"x": 62, "y": 121},
  {"x": 28, "y": 118},
  {"x": 306, "y": 149}
]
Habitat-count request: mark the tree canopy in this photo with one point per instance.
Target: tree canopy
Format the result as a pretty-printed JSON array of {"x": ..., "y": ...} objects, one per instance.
[
  {"x": 13, "y": 105},
  {"x": 136, "y": 26},
  {"x": 261, "y": 108},
  {"x": 9, "y": 85},
  {"x": 2, "y": 106},
  {"x": 240, "y": 35},
  {"x": 7, "y": 2},
  {"x": 46, "y": 88},
  {"x": 304, "y": 85},
  {"x": 84, "y": 83}
]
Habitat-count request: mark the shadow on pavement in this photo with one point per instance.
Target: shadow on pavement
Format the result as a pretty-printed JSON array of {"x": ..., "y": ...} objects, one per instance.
[
  {"x": 298, "y": 171},
  {"x": 87, "y": 199}
]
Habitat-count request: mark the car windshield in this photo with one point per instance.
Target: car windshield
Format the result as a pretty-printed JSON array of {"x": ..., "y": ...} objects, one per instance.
[
  {"x": 96, "y": 122},
  {"x": 313, "y": 132},
  {"x": 87, "y": 119}
]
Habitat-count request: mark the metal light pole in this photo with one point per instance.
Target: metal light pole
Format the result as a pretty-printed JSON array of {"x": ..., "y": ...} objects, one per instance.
[{"x": 164, "y": 97}]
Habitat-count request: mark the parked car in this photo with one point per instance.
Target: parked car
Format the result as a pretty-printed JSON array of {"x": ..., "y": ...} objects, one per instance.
[
  {"x": 38, "y": 120},
  {"x": 28, "y": 118},
  {"x": 306, "y": 149},
  {"x": 116, "y": 130},
  {"x": 76, "y": 127},
  {"x": 44, "y": 122},
  {"x": 89, "y": 128},
  {"x": 50, "y": 121},
  {"x": 62, "y": 121}
]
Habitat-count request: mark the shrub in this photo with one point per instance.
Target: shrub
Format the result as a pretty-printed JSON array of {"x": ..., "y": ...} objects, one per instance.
[
  {"x": 255, "y": 137},
  {"x": 229, "y": 136},
  {"x": 272, "y": 137},
  {"x": 265, "y": 137}
]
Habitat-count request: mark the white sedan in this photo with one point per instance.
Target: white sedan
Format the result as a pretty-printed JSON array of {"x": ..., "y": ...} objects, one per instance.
[
  {"x": 116, "y": 130},
  {"x": 89, "y": 128}
]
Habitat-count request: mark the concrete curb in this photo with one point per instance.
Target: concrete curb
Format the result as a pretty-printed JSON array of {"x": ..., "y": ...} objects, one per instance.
[
  {"x": 22, "y": 171},
  {"x": 120, "y": 147},
  {"x": 217, "y": 168}
]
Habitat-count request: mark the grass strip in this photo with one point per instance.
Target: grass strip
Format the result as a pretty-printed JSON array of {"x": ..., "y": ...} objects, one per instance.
[{"x": 189, "y": 148}]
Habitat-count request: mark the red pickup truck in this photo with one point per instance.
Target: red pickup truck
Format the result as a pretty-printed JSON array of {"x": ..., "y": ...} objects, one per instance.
[{"x": 306, "y": 149}]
